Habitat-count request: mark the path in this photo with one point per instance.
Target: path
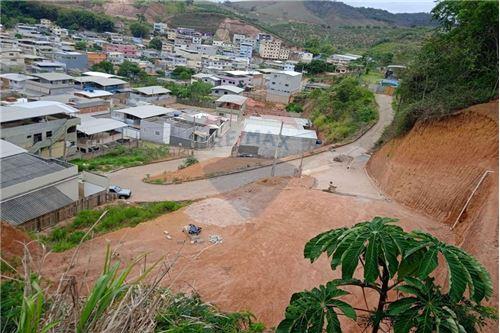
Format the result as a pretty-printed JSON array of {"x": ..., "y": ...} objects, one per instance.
[{"x": 352, "y": 180}]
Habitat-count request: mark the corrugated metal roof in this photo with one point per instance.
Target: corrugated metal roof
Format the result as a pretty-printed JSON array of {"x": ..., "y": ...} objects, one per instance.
[
  {"x": 146, "y": 111},
  {"x": 32, "y": 205},
  {"x": 235, "y": 99},
  {"x": 230, "y": 88},
  {"x": 9, "y": 149},
  {"x": 91, "y": 125},
  {"x": 53, "y": 76},
  {"x": 102, "y": 81},
  {"x": 23, "y": 167},
  {"x": 152, "y": 90},
  {"x": 33, "y": 109}
]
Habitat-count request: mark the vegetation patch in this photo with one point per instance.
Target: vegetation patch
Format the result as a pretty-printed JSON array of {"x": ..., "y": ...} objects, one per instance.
[
  {"x": 341, "y": 111},
  {"x": 123, "y": 157},
  {"x": 117, "y": 217}
]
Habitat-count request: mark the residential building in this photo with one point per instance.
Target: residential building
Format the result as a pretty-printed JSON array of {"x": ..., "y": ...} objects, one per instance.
[
  {"x": 343, "y": 59},
  {"x": 128, "y": 50},
  {"x": 227, "y": 90},
  {"x": 152, "y": 94},
  {"x": 109, "y": 84},
  {"x": 227, "y": 105},
  {"x": 160, "y": 28},
  {"x": 72, "y": 60},
  {"x": 95, "y": 133},
  {"x": 11, "y": 60},
  {"x": 83, "y": 101},
  {"x": 207, "y": 78},
  {"x": 261, "y": 136},
  {"x": 47, "y": 67},
  {"x": 116, "y": 58},
  {"x": 203, "y": 49},
  {"x": 281, "y": 86},
  {"x": 46, "y": 128},
  {"x": 246, "y": 50},
  {"x": 273, "y": 49},
  {"x": 167, "y": 48},
  {"x": 14, "y": 81},
  {"x": 236, "y": 78},
  {"x": 95, "y": 58},
  {"x": 48, "y": 84},
  {"x": 132, "y": 116}
]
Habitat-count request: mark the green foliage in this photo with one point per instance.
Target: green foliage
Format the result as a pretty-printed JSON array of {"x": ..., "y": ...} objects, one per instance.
[
  {"x": 138, "y": 29},
  {"x": 394, "y": 259},
  {"x": 81, "y": 45},
  {"x": 30, "y": 317},
  {"x": 104, "y": 66},
  {"x": 294, "y": 107},
  {"x": 155, "y": 43},
  {"x": 182, "y": 73},
  {"x": 342, "y": 110},
  {"x": 190, "y": 160},
  {"x": 315, "y": 67},
  {"x": 131, "y": 70},
  {"x": 457, "y": 67},
  {"x": 119, "y": 216},
  {"x": 123, "y": 157},
  {"x": 10, "y": 304},
  {"x": 319, "y": 47},
  {"x": 191, "y": 315},
  {"x": 75, "y": 19},
  {"x": 310, "y": 311},
  {"x": 196, "y": 90}
]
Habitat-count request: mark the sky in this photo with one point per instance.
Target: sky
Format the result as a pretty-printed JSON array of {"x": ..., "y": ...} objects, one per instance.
[{"x": 401, "y": 6}]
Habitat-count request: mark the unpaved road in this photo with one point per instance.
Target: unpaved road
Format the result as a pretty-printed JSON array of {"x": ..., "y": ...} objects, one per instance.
[{"x": 350, "y": 178}]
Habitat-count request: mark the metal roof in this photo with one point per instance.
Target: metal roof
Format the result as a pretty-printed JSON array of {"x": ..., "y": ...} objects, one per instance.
[
  {"x": 32, "y": 205},
  {"x": 9, "y": 149},
  {"x": 23, "y": 167},
  {"x": 16, "y": 77},
  {"x": 102, "y": 81},
  {"x": 152, "y": 90},
  {"x": 235, "y": 99},
  {"x": 272, "y": 126},
  {"x": 33, "y": 109},
  {"x": 53, "y": 76},
  {"x": 94, "y": 93},
  {"x": 91, "y": 125},
  {"x": 106, "y": 75},
  {"x": 146, "y": 111},
  {"x": 230, "y": 88}
]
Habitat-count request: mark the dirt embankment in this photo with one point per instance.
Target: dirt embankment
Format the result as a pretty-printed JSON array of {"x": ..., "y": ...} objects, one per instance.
[{"x": 435, "y": 168}]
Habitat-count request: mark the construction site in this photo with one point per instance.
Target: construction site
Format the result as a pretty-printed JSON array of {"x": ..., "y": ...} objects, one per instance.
[{"x": 249, "y": 253}]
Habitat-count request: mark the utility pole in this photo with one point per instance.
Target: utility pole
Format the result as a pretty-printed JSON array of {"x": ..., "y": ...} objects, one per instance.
[
  {"x": 273, "y": 169},
  {"x": 300, "y": 165}
]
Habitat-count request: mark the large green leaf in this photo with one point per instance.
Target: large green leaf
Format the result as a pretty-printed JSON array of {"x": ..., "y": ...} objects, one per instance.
[{"x": 313, "y": 311}]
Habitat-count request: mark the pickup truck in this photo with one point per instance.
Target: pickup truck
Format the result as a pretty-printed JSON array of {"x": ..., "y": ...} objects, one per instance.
[{"x": 123, "y": 193}]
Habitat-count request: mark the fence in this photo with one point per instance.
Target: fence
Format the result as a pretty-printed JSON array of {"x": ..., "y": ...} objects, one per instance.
[{"x": 66, "y": 212}]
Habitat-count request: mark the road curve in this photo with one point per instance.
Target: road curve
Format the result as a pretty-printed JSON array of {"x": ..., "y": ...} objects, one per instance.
[{"x": 350, "y": 177}]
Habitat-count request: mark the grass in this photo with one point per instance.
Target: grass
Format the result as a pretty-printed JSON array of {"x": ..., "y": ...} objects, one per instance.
[
  {"x": 123, "y": 157},
  {"x": 373, "y": 77},
  {"x": 190, "y": 160},
  {"x": 119, "y": 216}
]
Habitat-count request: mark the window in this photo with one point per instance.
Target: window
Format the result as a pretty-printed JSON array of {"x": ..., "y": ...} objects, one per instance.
[
  {"x": 274, "y": 82},
  {"x": 28, "y": 137},
  {"x": 37, "y": 137},
  {"x": 286, "y": 84},
  {"x": 48, "y": 134},
  {"x": 157, "y": 132}
]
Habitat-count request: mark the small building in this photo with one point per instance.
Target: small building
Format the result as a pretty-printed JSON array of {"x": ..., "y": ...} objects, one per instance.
[
  {"x": 48, "y": 84},
  {"x": 231, "y": 104},
  {"x": 236, "y": 78},
  {"x": 133, "y": 116},
  {"x": 95, "y": 133},
  {"x": 72, "y": 60},
  {"x": 11, "y": 59},
  {"x": 110, "y": 84},
  {"x": 14, "y": 81},
  {"x": 260, "y": 137},
  {"x": 80, "y": 102},
  {"x": 47, "y": 67},
  {"x": 343, "y": 59},
  {"x": 95, "y": 57},
  {"x": 227, "y": 90},
  {"x": 116, "y": 58},
  {"x": 282, "y": 85},
  {"x": 207, "y": 78},
  {"x": 46, "y": 128},
  {"x": 160, "y": 28},
  {"x": 151, "y": 94}
]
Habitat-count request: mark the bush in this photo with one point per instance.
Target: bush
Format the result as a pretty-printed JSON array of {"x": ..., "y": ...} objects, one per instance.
[
  {"x": 190, "y": 160},
  {"x": 10, "y": 304},
  {"x": 294, "y": 107}
]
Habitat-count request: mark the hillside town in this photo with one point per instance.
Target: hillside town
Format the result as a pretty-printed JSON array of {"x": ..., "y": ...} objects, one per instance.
[{"x": 248, "y": 166}]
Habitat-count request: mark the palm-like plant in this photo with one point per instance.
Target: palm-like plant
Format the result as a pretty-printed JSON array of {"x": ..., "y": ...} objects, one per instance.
[{"x": 393, "y": 259}]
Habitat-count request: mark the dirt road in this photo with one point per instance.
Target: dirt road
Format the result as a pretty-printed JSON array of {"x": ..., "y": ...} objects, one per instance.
[{"x": 350, "y": 177}]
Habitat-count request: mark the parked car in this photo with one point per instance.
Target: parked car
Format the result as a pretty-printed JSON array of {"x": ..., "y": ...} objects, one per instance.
[{"x": 123, "y": 193}]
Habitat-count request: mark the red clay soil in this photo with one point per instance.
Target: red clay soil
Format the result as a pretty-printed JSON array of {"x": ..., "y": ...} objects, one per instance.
[
  {"x": 260, "y": 263},
  {"x": 208, "y": 168},
  {"x": 12, "y": 244},
  {"x": 434, "y": 169}
]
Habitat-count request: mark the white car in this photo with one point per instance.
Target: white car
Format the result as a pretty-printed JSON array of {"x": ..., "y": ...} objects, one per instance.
[{"x": 123, "y": 193}]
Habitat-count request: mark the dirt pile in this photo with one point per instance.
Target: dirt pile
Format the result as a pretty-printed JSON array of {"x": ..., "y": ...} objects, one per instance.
[
  {"x": 12, "y": 244},
  {"x": 260, "y": 263},
  {"x": 435, "y": 168}
]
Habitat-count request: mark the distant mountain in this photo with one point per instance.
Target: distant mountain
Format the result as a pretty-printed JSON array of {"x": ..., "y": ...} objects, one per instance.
[{"x": 329, "y": 13}]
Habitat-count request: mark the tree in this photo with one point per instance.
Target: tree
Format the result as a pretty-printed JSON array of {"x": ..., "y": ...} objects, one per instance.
[
  {"x": 104, "y": 66},
  {"x": 139, "y": 29},
  {"x": 155, "y": 43},
  {"x": 182, "y": 73},
  {"x": 393, "y": 262},
  {"x": 81, "y": 45},
  {"x": 130, "y": 70}
]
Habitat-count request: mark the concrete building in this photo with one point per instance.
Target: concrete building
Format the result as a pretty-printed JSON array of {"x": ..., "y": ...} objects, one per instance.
[
  {"x": 72, "y": 60},
  {"x": 246, "y": 50},
  {"x": 96, "y": 133},
  {"x": 116, "y": 58},
  {"x": 46, "y": 128},
  {"x": 160, "y": 28},
  {"x": 261, "y": 135},
  {"x": 228, "y": 105},
  {"x": 49, "y": 84},
  {"x": 14, "y": 81},
  {"x": 84, "y": 103},
  {"x": 110, "y": 84},
  {"x": 150, "y": 94},
  {"x": 227, "y": 90},
  {"x": 343, "y": 59},
  {"x": 273, "y": 49},
  {"x": 11, "y": 60},
  {"x": 128, "y": 50},
  {"x": 47, "y": 67},
  {"x": 236, "y": 78},
  {"x": 95, "y": 58},
  {"x": 132, "y": 116},
  {"x": 207, "y": 78},
  {"x": 281, "y": 86}
]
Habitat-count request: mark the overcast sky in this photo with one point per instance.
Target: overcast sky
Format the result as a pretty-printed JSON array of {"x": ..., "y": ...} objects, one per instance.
[{"x": 402, "y": 6}]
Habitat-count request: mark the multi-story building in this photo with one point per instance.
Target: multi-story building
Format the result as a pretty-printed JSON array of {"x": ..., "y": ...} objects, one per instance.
[
  {"x": 160, "y": 28},
  {"x": 273, "y": 49},
  {"x": 14, "y": 81},
  {"x": 343, "y": 59},
  {"x": 116, "y": 58},
  {"x": 47, "y": 67},
  {"x": 109, "y": 84},
  {"x": 11, "y": 60},
  {"x": 46, "y": 128},
  {"x": 72, "y": 60},
  {"x": 246, "y": 50},
  {"x": 95, "y": 57},
  {"x": 236, "y": 78},
  {"x": 128, "y": 50},
  {"x": 48, "y": 84},
  {"x": 209, "y": 50},
  {"x": 282, "y": 85}
]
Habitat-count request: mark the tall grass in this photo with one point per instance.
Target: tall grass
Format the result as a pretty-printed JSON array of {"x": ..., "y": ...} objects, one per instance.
[{"x": 117, "y": 217}]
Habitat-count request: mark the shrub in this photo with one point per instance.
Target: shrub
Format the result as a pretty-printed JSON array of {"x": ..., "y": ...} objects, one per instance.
[{"x": 190, "y": 160}]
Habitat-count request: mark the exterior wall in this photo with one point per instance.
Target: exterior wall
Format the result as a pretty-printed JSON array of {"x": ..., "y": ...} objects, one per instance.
[
  {"x": 95, "y": 58},
  {"x": 127, "y": 49},
  {"x": 264, "y": 145},
  {"x": 236, "y": 81},
  {"x": 155, "y": 132},
  {"x": 273, "y": 50},
  {"x": 280, "y": 87},
  {"x": 95, "y": 108},
  {"x": 220, "y": 92},
  {"x": 48, "y": 88},
  {"x": 273, "y": 97},
  {"x": 72, "y": 60}
]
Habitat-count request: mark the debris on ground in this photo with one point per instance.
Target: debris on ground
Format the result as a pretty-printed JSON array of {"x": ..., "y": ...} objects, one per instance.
[
  {"x": 215, "y": 239},
  {"x": 342, "y": 158},
  {"x": 167, "y": 234},
  {"x": 331, "y": 188},
  {"x": 191, "y": 229}
]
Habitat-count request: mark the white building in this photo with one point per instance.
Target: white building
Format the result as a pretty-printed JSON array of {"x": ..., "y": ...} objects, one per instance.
[
  {"x": 160, "y": 28},
  {"x": 273, "y": 49},
  {"x": 282, "y": 85}
]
